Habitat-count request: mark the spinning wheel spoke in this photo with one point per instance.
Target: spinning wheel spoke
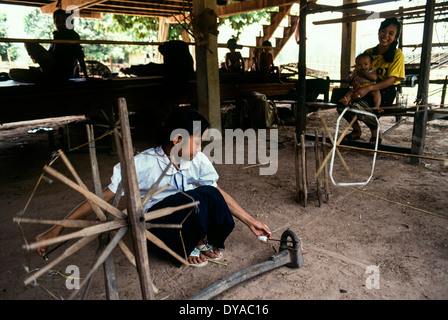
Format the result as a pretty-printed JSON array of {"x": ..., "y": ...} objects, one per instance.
[
  {"x": 67, "y": 253},
  {"x": 106, "y": 252}
]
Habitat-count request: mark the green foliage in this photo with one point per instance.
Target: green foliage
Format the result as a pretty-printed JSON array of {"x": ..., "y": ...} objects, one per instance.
[
  {"x": 39, "y": 25},
  {"x": 141, "y": 28}
]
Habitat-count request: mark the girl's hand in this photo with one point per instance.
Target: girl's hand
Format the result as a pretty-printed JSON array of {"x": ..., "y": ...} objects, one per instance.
[{"x": 260, "y": 229}]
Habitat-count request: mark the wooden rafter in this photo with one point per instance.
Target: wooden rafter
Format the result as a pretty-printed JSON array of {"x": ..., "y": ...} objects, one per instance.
[
  {"x": 440, "y": 8},
  {"x": 81, "y": 4}
]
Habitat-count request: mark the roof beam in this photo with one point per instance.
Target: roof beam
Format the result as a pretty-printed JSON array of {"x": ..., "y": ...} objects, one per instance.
[
  {"x": 326, "y": 8},
  {"x": 233, "y": 9},
  {"x": 440, "y": 8}
]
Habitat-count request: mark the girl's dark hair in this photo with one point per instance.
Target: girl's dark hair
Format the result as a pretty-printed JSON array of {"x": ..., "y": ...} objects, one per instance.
[
  {"x": 390, "y": 53},
  {"x": 181, "y": 118}
]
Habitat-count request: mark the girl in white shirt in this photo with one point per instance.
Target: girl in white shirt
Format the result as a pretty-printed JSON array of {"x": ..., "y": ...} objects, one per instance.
[{"x": 191, "y": 177}]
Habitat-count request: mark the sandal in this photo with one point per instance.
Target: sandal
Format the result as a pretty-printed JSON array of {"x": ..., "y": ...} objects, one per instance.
[
  {"x": 197, "y": 253},
  {"x": 209, "y": 247},
  {"x": 349, "y": 137}
]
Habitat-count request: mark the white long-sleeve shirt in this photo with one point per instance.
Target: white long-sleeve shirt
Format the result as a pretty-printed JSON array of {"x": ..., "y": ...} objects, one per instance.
[{"x": 150, "y": 165}]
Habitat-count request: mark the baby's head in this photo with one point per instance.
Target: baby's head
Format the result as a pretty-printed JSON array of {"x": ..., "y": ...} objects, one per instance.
[
  {"x": 182, "y": 132},
  {"x": 363, "y": 62}
]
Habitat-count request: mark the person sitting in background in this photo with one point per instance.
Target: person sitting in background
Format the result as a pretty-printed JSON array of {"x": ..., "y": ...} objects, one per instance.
[
  {"x": 265, "y": 62},
  {"x": 388, "y": 63}
]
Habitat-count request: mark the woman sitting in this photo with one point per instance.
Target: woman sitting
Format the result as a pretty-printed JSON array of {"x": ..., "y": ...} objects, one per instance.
[{"x": 388, "y": 63}]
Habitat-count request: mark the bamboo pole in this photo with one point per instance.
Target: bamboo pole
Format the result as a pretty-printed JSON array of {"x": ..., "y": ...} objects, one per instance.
[
  {"x": 162, "y": 225},
  {"x": 66, "y": 223},
  {"x": 111, "y": 42},
  {"x": 395, "y": 202},
  {"x": 93, "y": 230},
  {"x": 396, "y": 153}
]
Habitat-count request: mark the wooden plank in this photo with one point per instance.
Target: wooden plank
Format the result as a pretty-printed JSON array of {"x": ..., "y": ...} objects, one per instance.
[{"x": 135, "y": 209}]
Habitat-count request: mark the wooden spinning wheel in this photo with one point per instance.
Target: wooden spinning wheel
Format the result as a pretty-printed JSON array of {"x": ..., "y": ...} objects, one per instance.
[{"x": 113, "y": 223}]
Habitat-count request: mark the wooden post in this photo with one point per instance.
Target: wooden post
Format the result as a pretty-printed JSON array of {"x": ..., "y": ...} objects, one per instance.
[
  {"x": 109, "y": 269},
  {"x": 135, "y": 209},
  {"x": 421, "y": 118},
  {"x": 301, "y": 84},
  {"x": 207, "y": 71},
  {"x": 304, "y": 170}
]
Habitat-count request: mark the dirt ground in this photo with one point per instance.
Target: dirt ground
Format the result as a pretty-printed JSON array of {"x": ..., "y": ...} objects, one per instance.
[{"x": 397, "y": 222}]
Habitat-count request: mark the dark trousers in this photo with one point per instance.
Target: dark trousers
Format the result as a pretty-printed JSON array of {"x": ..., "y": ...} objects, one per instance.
[{"x": 211, "y": 219}]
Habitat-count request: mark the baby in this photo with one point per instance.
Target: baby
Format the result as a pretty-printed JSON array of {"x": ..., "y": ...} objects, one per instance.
[{"x": 363, "y": 76}]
